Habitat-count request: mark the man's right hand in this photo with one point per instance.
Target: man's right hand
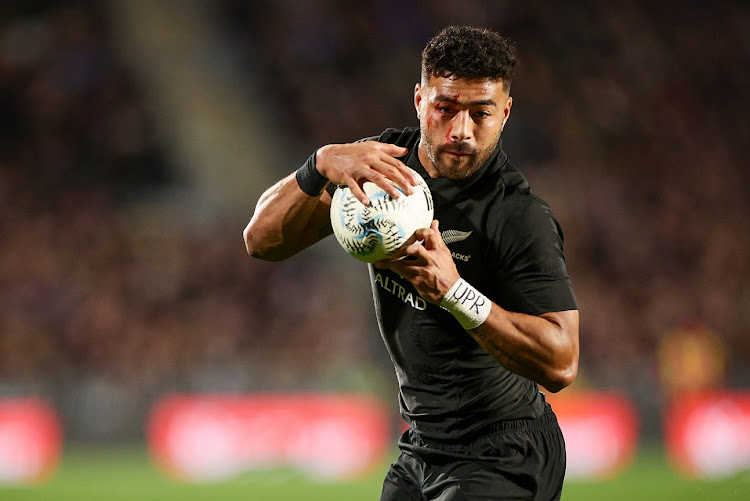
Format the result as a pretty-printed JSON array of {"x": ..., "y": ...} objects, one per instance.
[{"x": 354, "y": 164}]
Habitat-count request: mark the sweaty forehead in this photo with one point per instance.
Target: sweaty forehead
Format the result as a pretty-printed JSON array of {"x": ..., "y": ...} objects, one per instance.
[{"x": 461, "y": 91}]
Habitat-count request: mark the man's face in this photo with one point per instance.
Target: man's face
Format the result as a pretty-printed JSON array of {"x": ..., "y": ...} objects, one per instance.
[{"x": 460, "y": 122}]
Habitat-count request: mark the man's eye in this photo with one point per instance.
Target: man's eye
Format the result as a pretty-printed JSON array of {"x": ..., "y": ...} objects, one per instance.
[
  {"x": 445, "y": 110},
  {"x": 482, "y": 114}
]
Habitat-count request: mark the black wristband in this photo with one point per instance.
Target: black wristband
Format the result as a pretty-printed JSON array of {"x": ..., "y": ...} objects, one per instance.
[{"x": 309, "y": 179}]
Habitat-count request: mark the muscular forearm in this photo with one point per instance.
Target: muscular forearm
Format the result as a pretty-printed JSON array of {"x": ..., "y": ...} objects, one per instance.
[
  {"x": 285, "y": 221},
  {"x": 541, "y": 348}
]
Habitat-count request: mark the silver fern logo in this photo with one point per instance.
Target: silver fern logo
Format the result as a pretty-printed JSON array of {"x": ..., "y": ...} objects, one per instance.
[{"x": 450, "y": 236}]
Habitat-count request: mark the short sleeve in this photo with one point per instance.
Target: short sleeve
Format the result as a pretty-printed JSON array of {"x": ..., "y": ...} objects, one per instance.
[{"x": 531, "y": 262}]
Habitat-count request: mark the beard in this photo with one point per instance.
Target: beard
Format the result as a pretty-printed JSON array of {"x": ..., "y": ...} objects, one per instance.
[{"x": 456, "y": 167}]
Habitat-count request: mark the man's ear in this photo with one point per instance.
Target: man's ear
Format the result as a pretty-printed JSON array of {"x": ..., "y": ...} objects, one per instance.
[
  {"x": 417, "y": 98},
  {"x": 506, "y": 111}
]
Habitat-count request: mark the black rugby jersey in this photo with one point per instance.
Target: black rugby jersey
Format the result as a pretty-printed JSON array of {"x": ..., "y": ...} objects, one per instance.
[{"x": 506, "y": 243}]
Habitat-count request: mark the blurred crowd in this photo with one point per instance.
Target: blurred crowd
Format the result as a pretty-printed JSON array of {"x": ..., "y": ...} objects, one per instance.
[
  {"x": 629, "y": 120},
  {"x": 87, "y": 293},
  {"x": 76, "y": 142}
]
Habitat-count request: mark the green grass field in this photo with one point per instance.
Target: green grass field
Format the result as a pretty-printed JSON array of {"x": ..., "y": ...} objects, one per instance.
[{"x": 126, "y": 473}]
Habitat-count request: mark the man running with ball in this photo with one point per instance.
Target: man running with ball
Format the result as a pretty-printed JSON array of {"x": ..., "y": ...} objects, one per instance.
[{"x": 499, "y": 316}]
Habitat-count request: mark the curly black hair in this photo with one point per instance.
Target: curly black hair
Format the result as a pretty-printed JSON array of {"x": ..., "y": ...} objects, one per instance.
[{"x": 469, "y": 53}]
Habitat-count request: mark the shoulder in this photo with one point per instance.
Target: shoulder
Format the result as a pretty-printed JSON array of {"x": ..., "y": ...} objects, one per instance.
[
  {"x": 511, "y": 198},
  {"x": 531, "y": 212},
  {"x": 528, "y": 217},
  {"x": 400, "y": 137},
  {"x": 516, "y": 217}
]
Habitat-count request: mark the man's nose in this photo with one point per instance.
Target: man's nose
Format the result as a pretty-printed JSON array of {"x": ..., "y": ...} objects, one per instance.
[{"x": 461, "y": 126}]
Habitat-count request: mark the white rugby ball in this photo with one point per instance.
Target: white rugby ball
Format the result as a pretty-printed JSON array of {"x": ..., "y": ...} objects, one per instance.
[{"x": 376, "y": 231}]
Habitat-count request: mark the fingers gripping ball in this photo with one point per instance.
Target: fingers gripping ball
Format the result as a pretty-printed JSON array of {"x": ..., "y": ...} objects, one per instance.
[{"x": 376, "y": 231}]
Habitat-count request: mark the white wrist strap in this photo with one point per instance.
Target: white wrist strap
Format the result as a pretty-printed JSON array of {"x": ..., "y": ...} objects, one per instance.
[{"x": 468, "y": 305}]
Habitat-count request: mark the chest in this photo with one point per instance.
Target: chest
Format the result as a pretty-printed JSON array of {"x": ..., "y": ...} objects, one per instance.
[{"x": 462, "y": 229}]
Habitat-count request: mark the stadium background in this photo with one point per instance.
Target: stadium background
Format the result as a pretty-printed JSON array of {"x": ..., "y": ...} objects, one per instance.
[{"x": 136, "y": 137}]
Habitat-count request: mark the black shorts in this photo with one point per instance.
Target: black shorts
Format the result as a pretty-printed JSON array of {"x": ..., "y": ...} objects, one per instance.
[{"x": 517, "y": 460}]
